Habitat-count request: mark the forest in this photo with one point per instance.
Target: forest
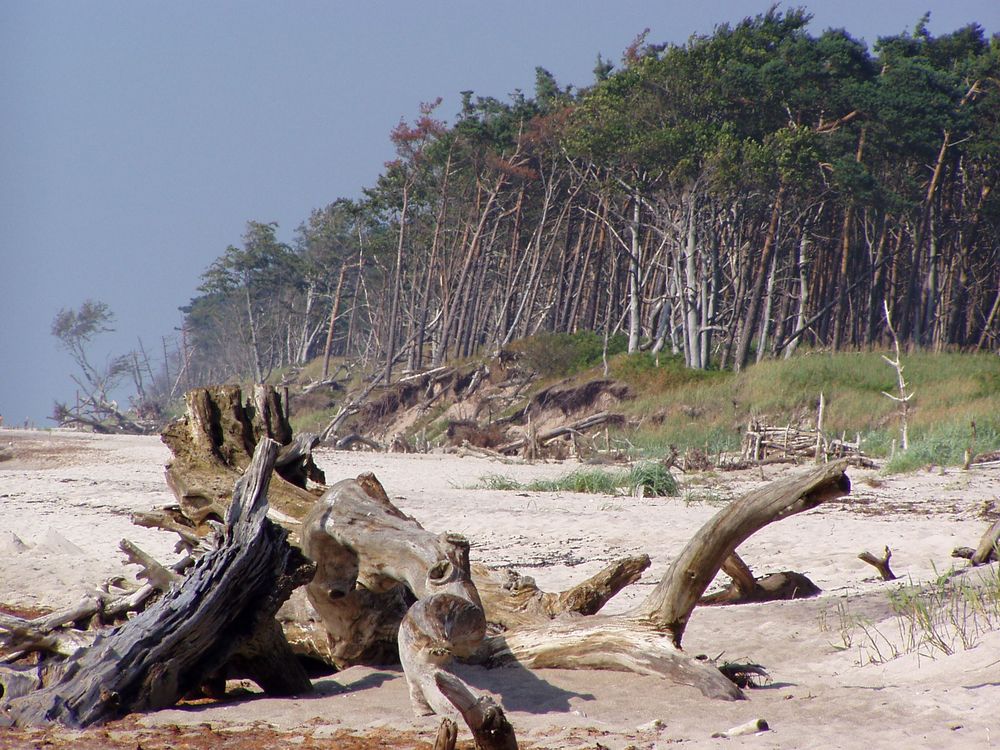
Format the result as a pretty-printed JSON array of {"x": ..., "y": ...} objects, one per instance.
[{"x": 731, "y": 199}]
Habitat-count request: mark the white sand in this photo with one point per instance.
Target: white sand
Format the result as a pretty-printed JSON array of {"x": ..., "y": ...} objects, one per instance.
[{"x": 67, "y": 497}]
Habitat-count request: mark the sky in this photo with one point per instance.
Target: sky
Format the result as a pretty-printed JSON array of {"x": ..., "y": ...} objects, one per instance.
[{"x": 138, "y": 138}]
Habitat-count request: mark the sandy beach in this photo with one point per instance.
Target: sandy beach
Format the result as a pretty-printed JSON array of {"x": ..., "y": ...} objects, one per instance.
[{"x": 845, "y": 671}]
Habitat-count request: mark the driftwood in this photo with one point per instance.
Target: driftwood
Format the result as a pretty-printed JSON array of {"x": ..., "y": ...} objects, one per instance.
[
  {"x": 764, "y": 443},
  {"x": 745, "y": 588},
  {"x": 371, "y": 561},
  {"x": 485, "y": 718},
  {"x": 636, "y": 640},
  {"x": 512, "y": 600},
  {"x": 212, "y": 446},
  {"x": 581, "y": 425},
  {"x": 986, "y": 551},
  {"x": 385, "y": 587},
  {"x": 220, "y": 616},
  {"x": 881, "y": 564},
  {"x": 356, "y": 521}
]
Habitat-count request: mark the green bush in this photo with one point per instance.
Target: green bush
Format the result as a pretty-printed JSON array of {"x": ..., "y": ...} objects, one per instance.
[{"x": 559, "y": 355}]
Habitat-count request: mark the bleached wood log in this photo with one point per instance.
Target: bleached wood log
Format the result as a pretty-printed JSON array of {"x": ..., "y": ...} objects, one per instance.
[
  {"x": 435, "y": 630},
  {"x": 370, "y": 557},
  {"x": 670, "y": 604},
  {"x": 512, "y": 600},
  {"x": 637, "y": 641},
  {"x": 616, "y": 643},
  {"x": 489, "y": 726}
]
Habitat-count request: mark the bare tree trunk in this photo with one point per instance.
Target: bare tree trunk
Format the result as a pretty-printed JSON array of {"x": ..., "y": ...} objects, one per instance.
[{"x": 756, "y": 293}]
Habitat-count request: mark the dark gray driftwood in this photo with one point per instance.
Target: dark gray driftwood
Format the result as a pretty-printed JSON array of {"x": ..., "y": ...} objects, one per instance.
[
  {"x": 222, "y": 613},
  {"x": 745, "y": 588}
]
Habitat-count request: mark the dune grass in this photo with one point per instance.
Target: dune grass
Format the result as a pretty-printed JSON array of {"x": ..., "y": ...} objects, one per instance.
[
  {"x": 710, "y": 410},
  {"x": 654, "y": 479}
]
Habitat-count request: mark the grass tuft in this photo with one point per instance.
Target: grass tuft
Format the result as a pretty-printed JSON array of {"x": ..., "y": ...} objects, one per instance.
[{"x": 646, "y": 479}]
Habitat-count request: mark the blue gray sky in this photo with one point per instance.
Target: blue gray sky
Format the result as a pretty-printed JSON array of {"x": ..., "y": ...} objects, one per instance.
[{"x": 138, "y": 138}]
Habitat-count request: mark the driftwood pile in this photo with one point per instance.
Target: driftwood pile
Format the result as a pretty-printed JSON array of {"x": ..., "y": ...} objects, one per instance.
[
  {"x": 377, "y": 585},
  {"x": 765, "y": 443},
  {"x": 219, "y": 620}
]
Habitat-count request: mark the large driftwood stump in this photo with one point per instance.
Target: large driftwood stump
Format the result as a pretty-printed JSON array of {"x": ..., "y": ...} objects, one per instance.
[
  {"x": 212, "y": 446},
  {"x": 220, "y": 615}
]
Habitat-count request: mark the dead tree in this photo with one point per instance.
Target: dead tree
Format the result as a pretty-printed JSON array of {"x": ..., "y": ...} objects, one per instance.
[{"x": 220, "y": 617}]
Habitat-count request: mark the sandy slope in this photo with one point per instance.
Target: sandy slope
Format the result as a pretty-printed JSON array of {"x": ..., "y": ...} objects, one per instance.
[{"x": 65, "y": 499}]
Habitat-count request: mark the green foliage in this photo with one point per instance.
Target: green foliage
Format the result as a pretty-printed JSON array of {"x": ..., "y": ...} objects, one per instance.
[
  {"x": 648, "y": 479},
  {"x": 76, "y": 327},
  {"x": 558, "y": 355},
  {"x": 709, "y": 410},
  {"x": 945, "y": 444}
]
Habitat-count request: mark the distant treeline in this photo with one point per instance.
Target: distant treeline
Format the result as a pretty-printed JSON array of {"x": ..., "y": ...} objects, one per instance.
[{"x": 731, "y": 198}]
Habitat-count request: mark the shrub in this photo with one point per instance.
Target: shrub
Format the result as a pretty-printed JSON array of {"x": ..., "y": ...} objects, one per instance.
[{"x": 558, "y": 355}]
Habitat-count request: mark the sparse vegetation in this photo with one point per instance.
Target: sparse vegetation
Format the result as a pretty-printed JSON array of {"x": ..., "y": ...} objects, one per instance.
[
  {"x": 710, "y": 410},
  {"x": 947, "y": 615},
  {"x": 559, "y": 355},
  {"x": 650, "y": 479}
]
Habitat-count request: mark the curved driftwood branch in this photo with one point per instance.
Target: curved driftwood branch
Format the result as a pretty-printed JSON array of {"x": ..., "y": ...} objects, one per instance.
[
  {"x": 669, "y": 605},
  {"x": 616, "y": 643}
]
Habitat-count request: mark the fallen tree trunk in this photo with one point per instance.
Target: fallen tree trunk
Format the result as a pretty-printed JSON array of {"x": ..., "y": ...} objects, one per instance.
[{"x": 220, "y": 615}]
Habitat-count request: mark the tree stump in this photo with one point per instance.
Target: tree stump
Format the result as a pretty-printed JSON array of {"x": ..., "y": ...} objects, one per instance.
[{"x": 212, "y": 446}]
